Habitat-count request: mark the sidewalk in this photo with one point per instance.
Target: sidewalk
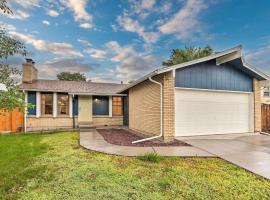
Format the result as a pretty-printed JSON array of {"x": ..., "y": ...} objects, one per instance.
[{"x": 92, "y": 140}]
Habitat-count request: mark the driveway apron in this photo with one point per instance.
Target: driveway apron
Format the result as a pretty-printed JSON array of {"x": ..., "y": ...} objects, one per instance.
[{"x": 249, "y": 151}]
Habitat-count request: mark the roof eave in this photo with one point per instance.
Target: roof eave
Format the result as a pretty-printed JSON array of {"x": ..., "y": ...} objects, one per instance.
[{"x": 75, "y": 93}]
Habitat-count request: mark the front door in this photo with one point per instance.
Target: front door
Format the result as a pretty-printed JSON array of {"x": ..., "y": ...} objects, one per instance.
[{"x": 85, "y": 109}]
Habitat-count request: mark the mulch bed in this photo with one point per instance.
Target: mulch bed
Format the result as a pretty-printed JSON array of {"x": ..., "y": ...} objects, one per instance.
[{"x": 124, "y": 137}]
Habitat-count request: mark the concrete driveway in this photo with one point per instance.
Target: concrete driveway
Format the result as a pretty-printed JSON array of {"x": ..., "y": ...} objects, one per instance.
[{"x": 249, "y": 151}]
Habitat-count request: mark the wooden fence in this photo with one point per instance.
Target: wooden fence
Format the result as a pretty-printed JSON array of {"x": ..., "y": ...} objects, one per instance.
[
  {"x": 266, "y": 118},
  {"x": 11, "y": 121}
]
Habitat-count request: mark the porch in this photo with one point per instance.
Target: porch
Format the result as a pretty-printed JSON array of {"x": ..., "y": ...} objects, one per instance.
[{"x": 55, "y": 110}]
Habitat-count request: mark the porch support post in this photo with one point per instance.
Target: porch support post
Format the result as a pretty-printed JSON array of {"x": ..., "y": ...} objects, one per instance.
[
  {"x": 110, "y": 106},
  {"x": 54, "y": 104},
  {"x": 38, "y": 104},
  {"x": 70, "y": 105}
]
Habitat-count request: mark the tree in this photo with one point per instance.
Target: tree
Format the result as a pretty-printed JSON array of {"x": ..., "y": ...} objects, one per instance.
[
  {"x": 189, "y": 53},
  {"x": 68, "y": 76},
  {"x": 11, "y": 97}
]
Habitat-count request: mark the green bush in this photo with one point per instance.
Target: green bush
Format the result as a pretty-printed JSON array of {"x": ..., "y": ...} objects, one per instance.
[{"x": 150, "y": 157}]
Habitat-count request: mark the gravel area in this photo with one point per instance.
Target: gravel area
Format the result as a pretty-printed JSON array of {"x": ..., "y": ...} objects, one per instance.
[{"x": 124, "y": 137}]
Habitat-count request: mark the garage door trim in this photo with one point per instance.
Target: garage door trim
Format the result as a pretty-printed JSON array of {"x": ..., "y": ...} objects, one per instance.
[
  {"x": 210, "y": 90},
  {"x": 249, "y": 121}
]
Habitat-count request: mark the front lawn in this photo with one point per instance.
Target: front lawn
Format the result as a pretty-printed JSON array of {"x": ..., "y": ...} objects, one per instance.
[{"x": 53, "y": 166}]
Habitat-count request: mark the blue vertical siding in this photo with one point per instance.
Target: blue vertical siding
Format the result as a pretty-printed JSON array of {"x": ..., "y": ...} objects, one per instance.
[
  {"x": 75, "y": 105},
  {"x": 208, "y": 75},
  {"x": 31, "y": 98},
  {"x": 100, "y": 105}
]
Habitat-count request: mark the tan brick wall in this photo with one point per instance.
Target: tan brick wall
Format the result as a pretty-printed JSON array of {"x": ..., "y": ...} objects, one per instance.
[
  {"x": 168, "y": 106},
  {"x": 48, "y": 123},
  {"x": 144, "y": 106},
  {"x": 257, "y": 105},
  {"x": 108, "y": 121}
]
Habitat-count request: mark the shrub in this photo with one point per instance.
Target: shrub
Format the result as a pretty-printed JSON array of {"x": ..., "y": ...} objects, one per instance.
[{"x": 150, "y": 157}]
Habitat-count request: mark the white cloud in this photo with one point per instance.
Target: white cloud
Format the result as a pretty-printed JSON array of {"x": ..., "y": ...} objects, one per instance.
[
  {"x": 185, "y": 23},
  {"x": 52, "y": 68},
  {"x": 61, "y": 49},
  {"x": 86, "y": 25},
  {"x": 128, "y": 24},
  {"x": 84, "y": 42},
  {"x": 26, "y": 3},
  {"x": 119, "y": 53},
  {"x": 46, "y": 22},
  {"x": 142, "y": 7},
  {"x": 78, "y": 7},
  {"x": 166, "y": 7},
  {"x": 3, "y": 87},
  {"x": 52, "y": 13},
  {"x": 96, "y": 53},
  {"x": 8, "y": 27},
  {"x": 132, "y": 64},
  {"x": 260, "y": 58},
  {"x": 17, "y": 14}
]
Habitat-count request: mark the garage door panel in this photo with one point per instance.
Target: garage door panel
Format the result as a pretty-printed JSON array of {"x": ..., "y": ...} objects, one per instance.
[{"x": 205, "y": 112}]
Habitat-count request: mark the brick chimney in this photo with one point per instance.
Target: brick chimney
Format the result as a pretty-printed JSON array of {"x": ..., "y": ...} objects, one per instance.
[{"x": 30, "y": 73}]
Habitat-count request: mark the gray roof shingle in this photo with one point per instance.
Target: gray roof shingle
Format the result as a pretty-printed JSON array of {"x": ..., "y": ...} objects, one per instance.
[{"x": 78, "y": 87}]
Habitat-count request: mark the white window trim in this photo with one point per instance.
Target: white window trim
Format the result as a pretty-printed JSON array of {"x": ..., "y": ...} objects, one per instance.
[
  {"x": 38, "y": 105},
  {"x": 110, "y": 106},
  {"x": 54, "y": 105}
]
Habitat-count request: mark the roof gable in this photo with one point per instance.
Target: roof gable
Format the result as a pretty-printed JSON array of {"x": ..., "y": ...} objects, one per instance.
[{"x": 221, "y": 57}]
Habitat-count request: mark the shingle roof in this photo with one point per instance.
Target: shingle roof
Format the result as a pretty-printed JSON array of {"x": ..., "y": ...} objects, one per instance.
[{"x": 77, "y": 87}]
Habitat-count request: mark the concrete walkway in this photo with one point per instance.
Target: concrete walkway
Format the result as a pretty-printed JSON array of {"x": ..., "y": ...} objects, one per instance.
[
  {"x": 92, "y": 140},
  {"x": 249, "y": 151}
]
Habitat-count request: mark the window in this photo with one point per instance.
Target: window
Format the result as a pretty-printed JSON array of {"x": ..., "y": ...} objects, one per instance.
[
  {"x": 62, "y": 104},
  {"x": 100, "y": 105},
  {"x": 266, "y": 91},
  {"x": 47, "y": 104},
  {"x": 31, "y": 99},
  {"x": 117, "y": 106}
]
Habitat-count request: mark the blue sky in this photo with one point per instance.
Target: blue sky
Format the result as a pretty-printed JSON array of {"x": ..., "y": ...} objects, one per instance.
[{"x": 121, "y": 40}]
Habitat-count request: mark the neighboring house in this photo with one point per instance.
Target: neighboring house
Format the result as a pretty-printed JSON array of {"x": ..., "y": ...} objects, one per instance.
[
  {"x": 265, "y": 92},
  {"x": 217, "y": 94}
]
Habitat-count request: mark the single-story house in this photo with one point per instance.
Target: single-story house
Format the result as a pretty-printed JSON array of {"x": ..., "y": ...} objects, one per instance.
[{"x": 217, "y": 94}]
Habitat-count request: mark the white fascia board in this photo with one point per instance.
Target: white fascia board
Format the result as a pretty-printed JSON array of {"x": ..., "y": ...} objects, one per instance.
[
  {"x": 228, "y": 57},
  {"x": 75, "y": 93}
]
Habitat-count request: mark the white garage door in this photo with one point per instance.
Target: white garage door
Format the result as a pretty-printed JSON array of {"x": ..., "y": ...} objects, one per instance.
[{"x": 207, "y": 112}]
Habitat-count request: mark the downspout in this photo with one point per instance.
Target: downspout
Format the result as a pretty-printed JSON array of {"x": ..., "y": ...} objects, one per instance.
[{"x": 161, "y": 115}]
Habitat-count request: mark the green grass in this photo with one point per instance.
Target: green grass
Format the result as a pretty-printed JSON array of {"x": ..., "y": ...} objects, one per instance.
[
  {"x": 53, "y": 166},
  {"x": 151, "y": 157}
]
